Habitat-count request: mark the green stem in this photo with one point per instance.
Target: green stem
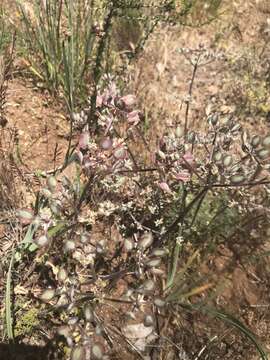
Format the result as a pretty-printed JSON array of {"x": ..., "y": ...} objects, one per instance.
[{"x": 9, "y": 319}]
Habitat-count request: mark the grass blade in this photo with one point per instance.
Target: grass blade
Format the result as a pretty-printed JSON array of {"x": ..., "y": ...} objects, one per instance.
[
  {"x": 9, "y": 319},
  {"x": 231, "y": 320}
]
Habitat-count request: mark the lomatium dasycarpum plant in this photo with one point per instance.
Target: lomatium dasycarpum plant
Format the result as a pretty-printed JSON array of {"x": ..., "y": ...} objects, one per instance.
[{"x": 146, "y": 213}]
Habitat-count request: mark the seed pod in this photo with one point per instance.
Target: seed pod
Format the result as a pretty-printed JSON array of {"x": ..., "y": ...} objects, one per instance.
[
  {"x": 256, "y": 140},
  {"x": 148, "y": 320},
  {"x": 75, "y": 117},
  {"x": 128, "y": 244},
  {"x": 25, "y": 216},
  {"x": 145, "y": 241},
  {"x": 84, "y": 238},
  {"x": 128, "y": 294},
  {"x": 165, "y": 187},
  {"x": 147, "y": 287},
  {"x": 63, "y": 331},
  {"x": 129, "y": 315},
  {"x": 263, "y": 154},
  {"x": 99, "y": 330},
  {"x": 161, "y": 155},
  {"x": 237, "y": 179},
  {"x": 62, "y": 275},
  {"x": 69, "y": 246},
  {"x": 159, "y": 302},
  {"x": 120, "y": 153},
  {"x": 69, "y": 341},
  {"x": 46, "y": 192},
  {"x": 73, "y": 320},
  {"x": 236, "y": 128},
  {"x": 191, "y": 137},
  {"x": 106, "y": 143},
  {"x": 78, "y": 353},
  {"x": 155, "y": 262},
  {"x": 42, "y": 241},
  {"x": 213, "y": 119},
  {"x": 179, "y": 132},
  {"x": 159, "y": 252},
  {"x": 128, "y": 100},
  {"x": 52, "y": 183},
  {"x": 266, "y": 141},
  {"x": 101, "y": 247},
  {"x": 88, "y": 313},
  {"x": 55, "y": 208},
  {"x": 47, "y": 295},
  {"x": 227, "y": 160},
  {"x": 217, "y": 156},
  {"x": 157, "y": 272},
  {"x": 236, "y": 168},
  {"x": 63, "y": 301},
  {"x": 97, "y": 352},
  {"x": 84, "y": 140}
]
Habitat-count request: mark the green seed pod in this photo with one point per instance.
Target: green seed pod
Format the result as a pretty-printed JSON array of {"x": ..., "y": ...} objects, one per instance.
[
  {"x": 213, "y": 119},
  {"x": 128, "y": 244},
  {"x": 227, "y": 160},
  {"x": 145, "y": 241},
  {"x": 236, "y": 128},
  {"x": 157, "y": 272},
  {"x": 88, "y": 313},
  {"x": 73, "y": 320},
  {"x": 69, "y": 341},
  {"x": 256, "y": 140},
  {"x": 25, "y": 216},
  {"x": 84, "y": 238},
  {"x": 120, "y": 153},
  {"x": 148, "y": 320},
  {"x": 266, "y": 141},
  {"x": 161, "y": 155},
  {"x": 42, "y": 241},
  {"x": 155, "y": 262},
  {"x": 159, "y": 302},
  {"x": 78, "y": 353},
  {"x": 217, "y": 156},
  {"x": 128, "y": 294},
  {"x": 147, "y": 287},
  {"x": 47, "y": 295},
  {"x": 159, "y": 252},
  {"x": 179, "y": 132},
  {"x": 69, "y": 246},
  {"x": 97, "y": 352},
  {"x": 101, "y": 247},
  {"x": 62, "y": 275},
  {"x": 52, "y": 183},
  {"x": 55, "y": 208},
  {"x": 62, "y": 301},
  {"x": 263, "y": 154},
  {"x": 237, "y": 179},
  {"x": 46, "y": 192},
  {"x": 191, "y": 137},
  {"x": 99, "y": 330},
  {"x": 63, "y": 331}
]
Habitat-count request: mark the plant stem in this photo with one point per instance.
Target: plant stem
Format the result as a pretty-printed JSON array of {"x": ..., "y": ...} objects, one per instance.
[{"x": 92, "y": 118}]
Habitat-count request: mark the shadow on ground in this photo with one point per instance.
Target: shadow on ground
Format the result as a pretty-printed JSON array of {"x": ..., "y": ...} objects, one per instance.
[{"x": 27, "y": 352}]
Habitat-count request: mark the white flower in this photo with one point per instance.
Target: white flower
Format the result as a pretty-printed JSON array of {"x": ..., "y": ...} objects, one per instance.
[{"x": 159, "y": 222}]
